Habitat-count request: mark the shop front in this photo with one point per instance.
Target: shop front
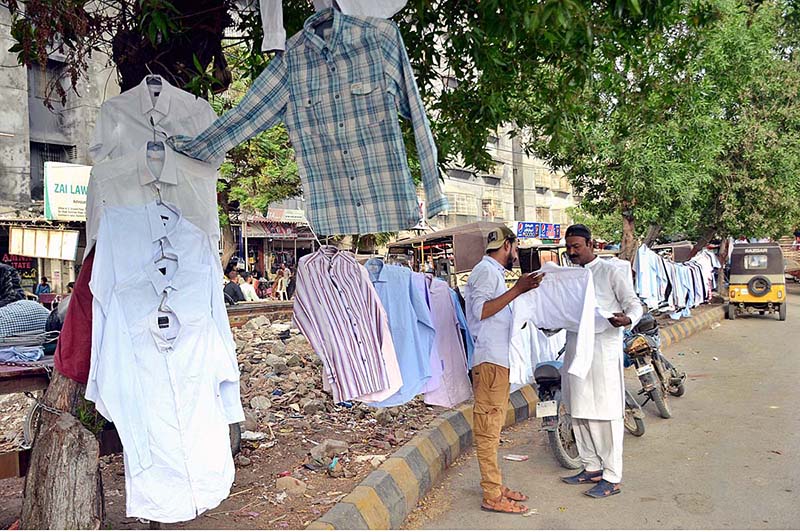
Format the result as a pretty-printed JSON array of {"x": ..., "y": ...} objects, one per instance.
[{"x": 279, "y": 238}]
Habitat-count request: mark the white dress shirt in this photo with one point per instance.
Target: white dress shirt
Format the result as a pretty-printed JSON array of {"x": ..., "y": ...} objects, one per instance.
[
  {"x": 492, "y": 335},
  {"x": 601, "y": 394},
  {"x": 272, "y": 16},
  {"x": 249, "y": 292},
  {"x": 564, "y": 300},
  {"x": 129, "y": 238},
  {"x": 161, "y": 368},
  {"x": 124, "y": 123},
  {"x": 135, "y": 179}
]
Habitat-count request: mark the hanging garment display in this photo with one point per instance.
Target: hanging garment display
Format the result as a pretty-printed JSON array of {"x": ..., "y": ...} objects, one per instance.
[
  {"x": 151, "y": 172},
  {"x": 420, "y": 284},
  {"x": 338, "y": 88},
  {"x": 157, "y": 108},
  {"x": 339, "y": 312},
  {"x": 469, "y": 343},
  {"x": 125, "y": 124},
  {"x": 161, "y": 368},
  {"x": 564, "y": 300},
  {"x": 411, "y": 328},
  {"x": 272, "y": 16},
  {"x": 455, "y": 387}
]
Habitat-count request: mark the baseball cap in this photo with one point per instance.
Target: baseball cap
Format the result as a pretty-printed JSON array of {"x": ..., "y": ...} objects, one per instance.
[{"x": 497, "y": 237}]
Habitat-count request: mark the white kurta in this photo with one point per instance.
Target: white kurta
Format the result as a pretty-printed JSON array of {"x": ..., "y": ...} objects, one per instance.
[{"x": 601, "y": 394}]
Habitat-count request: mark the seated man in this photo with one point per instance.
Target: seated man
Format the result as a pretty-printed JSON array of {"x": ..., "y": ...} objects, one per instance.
[{"x": 22, "y": 317}]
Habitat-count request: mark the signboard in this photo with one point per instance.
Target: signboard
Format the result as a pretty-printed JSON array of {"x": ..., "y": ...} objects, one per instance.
[
  {"x": 25, "y": 266},
  {"x": 540, "y": 230},
  {"x": 43, "y": 243},
  {"x": 287, "y": 216},
  {"x": 65, "y": 191}
]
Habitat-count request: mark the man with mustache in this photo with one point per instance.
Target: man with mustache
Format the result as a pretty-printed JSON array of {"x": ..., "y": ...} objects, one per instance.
[
  {"x": 597, "y": 402},
  {"x": 489, "y": 319}
]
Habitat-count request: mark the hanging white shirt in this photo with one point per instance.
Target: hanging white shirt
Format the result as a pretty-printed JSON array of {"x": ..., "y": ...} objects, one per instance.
[
  {"x": 124, "y": 122},
  {"x": 272, "y": 16},
  {"x": 159, "y": 376},
  {"x": 128, "y": 240},
  {"x": 565, "y": 299},
  {"x": 136, "y": 178},
  {"x": 601, "y": 393}
]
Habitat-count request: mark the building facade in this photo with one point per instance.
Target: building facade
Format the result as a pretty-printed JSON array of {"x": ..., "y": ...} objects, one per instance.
[{"x": 32, "y": 133}]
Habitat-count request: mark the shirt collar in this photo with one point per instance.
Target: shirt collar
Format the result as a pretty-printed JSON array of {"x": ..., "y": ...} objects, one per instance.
[
  {"x": 494, "y": 263},
  {"x": 169, "y": 172},
  {"x": 162, "y": 102},
  {"x": 594, "y": 262},
  {"x": 324, "y": 47},
  {"x": 378, "y": 274},
  {"x": 157, "y": 229}
]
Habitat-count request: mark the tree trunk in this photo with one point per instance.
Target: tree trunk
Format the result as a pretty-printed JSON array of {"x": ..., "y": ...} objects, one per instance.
[
  {"x": 228, "y": 241},
  {"x": 652, "y": 233},
  {"x": 628, "y": 244},
  {"x": 724, "y": 247},
  {"x": 63, "y": 487},
  {"x": 703, "y": 241}
]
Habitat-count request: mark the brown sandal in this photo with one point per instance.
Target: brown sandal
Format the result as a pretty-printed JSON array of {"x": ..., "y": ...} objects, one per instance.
[
  {"x": 517, "y": 496},
  {"x": 503, "y": 505}
]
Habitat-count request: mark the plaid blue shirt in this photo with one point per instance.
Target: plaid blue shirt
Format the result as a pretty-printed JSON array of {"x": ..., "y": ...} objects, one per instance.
[{"x": 339, "y": 98}]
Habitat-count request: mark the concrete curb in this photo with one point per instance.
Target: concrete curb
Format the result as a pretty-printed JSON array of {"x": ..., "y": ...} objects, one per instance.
[{"x": 389, "y": 494}]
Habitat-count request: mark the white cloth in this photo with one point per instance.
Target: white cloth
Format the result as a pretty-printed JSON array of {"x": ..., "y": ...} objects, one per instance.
[
  {"x": 160, "y": 368},
  {"x": 123, "y": 125},
  {"x": 272, "y": 16},
  {"x": 600, "y": 446},
  {"x": 249, "y": 292},
  {"x": 492, "y": 336},
  {"x": 601, "y": 393},
  {"x": 129, "y": 239},
  {"x": 564, "y": 300},
  {"x": 135, "y": 178}
]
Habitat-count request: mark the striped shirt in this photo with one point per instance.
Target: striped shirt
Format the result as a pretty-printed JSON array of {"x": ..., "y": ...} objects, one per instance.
[
  {"x": 339, "y": 98},
  {"x": 338, "y": 310}
]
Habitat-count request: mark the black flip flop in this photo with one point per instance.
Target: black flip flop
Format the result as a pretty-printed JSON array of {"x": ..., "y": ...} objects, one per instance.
[
  {"x": 584, "y": 477},
  {"x": 603, "y": 489}
]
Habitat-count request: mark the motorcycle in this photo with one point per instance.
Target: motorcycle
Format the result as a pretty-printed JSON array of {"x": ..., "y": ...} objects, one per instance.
[
  {"x": 659, "y": 378},
  {"x": 557, "y": 422}
]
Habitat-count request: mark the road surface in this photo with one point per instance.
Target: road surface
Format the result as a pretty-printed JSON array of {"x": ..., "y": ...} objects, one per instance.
[{"x": 728, "y": 458}]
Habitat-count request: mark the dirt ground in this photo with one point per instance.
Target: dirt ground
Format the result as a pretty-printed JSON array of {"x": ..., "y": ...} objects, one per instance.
[{"x": 289, "y": 414}]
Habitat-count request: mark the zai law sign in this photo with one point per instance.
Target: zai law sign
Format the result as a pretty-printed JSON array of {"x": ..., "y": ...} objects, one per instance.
[{"x": 65, "y": 188}]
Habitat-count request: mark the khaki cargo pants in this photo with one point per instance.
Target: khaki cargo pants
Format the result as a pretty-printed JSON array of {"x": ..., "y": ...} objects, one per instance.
[{"x": 491, "y": 386}]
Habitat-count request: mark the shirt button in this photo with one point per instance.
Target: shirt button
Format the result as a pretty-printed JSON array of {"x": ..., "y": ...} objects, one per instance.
[
  {"x": 358, "y": 204},
  {"x": 333, "y": 69},
  {"x": 309, "y": 102},
  {"x": 341, "y": 124},
  {"x": 337, "y": 96},
  {"x": 345, "y": 152},
  {"x": 352, "y": 178}
]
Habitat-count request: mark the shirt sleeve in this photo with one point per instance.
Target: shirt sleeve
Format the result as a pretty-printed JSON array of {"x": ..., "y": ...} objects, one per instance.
[
  {"x": 262, "y": 107},
  {"x": 401, "y": 83},
  {"x": 272, "y": 23},
  {"x": 483, "y": 287},
  {"x": 626, "y": 296},
  {"x": 103, "y": 137}
]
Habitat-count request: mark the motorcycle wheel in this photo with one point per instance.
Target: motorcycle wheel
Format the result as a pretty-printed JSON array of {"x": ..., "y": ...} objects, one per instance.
[
  {"x": 562, "y": 441},
  {"x": 658, "y": 396},
  {"x": 680, "y": 389},
  {"x": 633, "y": 424}
]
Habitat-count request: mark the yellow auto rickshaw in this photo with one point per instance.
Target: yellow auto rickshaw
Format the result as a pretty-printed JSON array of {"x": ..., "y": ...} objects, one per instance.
[{"x": 757, "y": 281}]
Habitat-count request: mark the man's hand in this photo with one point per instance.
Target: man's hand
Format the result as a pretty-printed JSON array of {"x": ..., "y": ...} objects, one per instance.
[
  {"x": 527, "y": 282},
  {"x": 619, "y": 320}
]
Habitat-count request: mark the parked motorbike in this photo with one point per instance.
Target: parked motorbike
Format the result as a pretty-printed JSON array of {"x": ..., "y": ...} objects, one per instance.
[
  {"x": 659, "y": 378},
  {"x": 557, "y": 422}
]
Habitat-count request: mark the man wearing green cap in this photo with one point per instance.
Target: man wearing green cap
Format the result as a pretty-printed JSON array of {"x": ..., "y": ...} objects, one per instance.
[{"x": 489, "y": 319}]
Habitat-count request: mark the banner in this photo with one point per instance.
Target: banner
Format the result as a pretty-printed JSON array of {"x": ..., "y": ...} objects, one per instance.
[
  {"x": 539, "y": 230},
  {"x": 65, "y": 191},
  {"x": 43, "y": 243}
]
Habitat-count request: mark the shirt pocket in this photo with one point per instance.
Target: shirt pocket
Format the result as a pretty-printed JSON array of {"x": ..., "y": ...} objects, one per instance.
[{"x": 369, "y": 102}]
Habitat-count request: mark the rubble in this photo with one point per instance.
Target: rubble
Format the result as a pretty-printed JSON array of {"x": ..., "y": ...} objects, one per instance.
[{"x": 291, "y": 485}]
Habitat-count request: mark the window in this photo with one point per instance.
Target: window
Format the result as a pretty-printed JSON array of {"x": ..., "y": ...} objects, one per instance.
[
  {"x": 462, "y": 204},
  {"x": 42, "y": 153},
  {"x": 542, "y": 214},
  {"x": 41, "y": 79},
  {"x": 755, "y": 262},
  {"x": 459, "y": 174}
]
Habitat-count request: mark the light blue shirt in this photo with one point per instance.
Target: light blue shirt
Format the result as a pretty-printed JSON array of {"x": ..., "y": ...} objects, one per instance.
[
  {"x": 410, "y": 324},
  {"x": 462, "y": 324},
  {"x": 493, "y": 335}
]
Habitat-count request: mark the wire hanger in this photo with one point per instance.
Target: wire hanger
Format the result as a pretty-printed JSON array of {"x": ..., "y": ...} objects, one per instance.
[
  {"x": 152, "y": 79},
  {"x": 164, "y": 256},
  {"x": 163, "y": 300}
]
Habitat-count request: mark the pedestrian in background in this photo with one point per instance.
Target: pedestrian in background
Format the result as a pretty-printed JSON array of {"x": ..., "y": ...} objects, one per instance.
[
  {"x": 489, "y": 319},
  {"x": 42, "y": 288},
  {"x": 246, "y": 285}
]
